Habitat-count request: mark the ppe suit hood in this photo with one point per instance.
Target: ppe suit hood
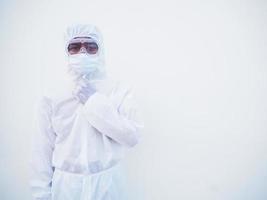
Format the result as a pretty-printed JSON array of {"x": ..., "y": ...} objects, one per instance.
[{"x": 87, "y": 30}]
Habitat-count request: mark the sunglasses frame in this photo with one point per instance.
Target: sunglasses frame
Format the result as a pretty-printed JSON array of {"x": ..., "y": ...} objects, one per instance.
[{"x": 82, "y": 40}]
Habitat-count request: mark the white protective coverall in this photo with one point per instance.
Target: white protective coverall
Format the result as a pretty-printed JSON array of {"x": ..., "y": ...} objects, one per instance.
[{"x": 77, "y": 149}]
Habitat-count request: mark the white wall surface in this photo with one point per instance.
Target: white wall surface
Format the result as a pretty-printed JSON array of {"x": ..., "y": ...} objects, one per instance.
[{"x": 200, "y": 73}]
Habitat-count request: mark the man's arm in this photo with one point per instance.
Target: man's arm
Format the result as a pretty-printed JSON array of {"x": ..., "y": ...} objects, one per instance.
[
  {"x": 115, "y": 116},
  {"x": 41, "y": 170}
]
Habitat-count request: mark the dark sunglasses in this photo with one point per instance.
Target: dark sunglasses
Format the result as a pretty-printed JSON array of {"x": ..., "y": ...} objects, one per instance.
[{"x": 75, "y": 47}]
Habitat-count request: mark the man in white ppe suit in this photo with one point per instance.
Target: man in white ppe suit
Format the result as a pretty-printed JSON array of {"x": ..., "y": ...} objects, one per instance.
[{"x": 82, "y": 135}]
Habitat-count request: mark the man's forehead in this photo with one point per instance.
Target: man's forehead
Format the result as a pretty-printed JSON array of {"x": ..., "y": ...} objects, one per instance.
[{"x": 82, "y": 39}]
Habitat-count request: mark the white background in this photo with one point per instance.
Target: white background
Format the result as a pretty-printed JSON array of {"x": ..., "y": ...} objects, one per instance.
[{"x": 199, "y": 69}]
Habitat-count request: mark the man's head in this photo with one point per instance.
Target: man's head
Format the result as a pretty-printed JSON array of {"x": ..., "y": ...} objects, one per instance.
[{"x": 84, "y": 48}]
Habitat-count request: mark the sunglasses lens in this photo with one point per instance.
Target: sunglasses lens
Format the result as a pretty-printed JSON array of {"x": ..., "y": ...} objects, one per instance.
[
  {"x": 91, "y": 47},
  {"x": 74, "y": 48}
]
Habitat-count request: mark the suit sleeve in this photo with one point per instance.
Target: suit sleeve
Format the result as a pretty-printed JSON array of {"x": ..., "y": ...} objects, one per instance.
[
  {"x": 41, "y": 170},
  {"x": 115, "y": 116}
]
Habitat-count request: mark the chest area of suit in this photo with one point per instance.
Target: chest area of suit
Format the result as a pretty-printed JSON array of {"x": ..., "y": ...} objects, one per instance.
[{"x": 65, "y": 116}]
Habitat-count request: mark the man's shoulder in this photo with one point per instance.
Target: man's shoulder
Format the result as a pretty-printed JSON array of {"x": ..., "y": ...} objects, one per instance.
[{"x": 56, "y": 96}]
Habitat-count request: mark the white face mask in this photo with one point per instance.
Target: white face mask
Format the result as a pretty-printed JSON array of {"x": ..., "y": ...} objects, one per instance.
[{"x": 83, "y": 63}]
